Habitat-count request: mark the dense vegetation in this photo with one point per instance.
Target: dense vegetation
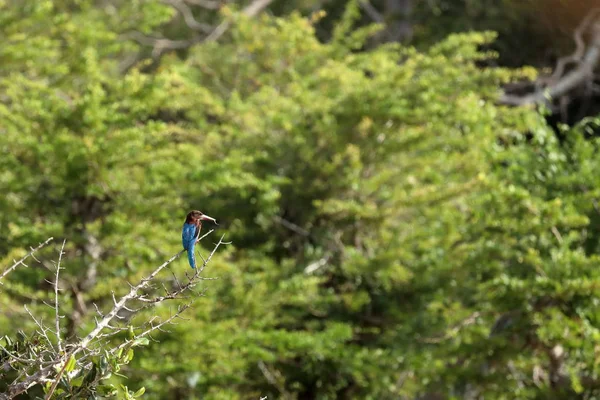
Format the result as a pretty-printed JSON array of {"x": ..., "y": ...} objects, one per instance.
[{"x": 395, "y": 232}]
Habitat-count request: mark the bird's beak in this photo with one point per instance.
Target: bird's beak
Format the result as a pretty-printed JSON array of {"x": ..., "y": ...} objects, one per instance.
[{"x": 207, "y": 218}]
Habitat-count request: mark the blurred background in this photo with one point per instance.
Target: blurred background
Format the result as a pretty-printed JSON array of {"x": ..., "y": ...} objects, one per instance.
[{"x": 410, "y": 188}]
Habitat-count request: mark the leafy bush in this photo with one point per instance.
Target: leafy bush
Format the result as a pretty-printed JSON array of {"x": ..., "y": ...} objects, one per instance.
[{"x": 395, "y": 232}]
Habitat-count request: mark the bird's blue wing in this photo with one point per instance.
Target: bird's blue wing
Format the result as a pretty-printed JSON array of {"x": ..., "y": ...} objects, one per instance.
[{"x": 189, "y": 235}]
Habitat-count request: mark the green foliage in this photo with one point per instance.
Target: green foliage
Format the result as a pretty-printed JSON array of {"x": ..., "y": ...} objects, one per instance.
[
  {"x": 395, "y": 232},
  {"x": 73, "y": 379}
]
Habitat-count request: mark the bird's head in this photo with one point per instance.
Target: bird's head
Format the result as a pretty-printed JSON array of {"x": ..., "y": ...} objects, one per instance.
[{"x": 195, "y": 216}]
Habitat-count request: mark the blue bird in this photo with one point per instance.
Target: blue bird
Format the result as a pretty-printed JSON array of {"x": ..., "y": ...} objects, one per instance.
[{"x": 191, "y": 233}]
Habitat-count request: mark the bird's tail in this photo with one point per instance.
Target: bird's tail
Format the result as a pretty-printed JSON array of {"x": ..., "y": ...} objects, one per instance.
[{"x": 192, "y": 256}]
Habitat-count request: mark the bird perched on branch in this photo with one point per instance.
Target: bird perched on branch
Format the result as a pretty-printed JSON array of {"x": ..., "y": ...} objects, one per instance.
[{"x": 191, "y": 233}]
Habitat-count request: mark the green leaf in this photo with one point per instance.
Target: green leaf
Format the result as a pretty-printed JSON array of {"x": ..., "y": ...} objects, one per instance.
[
  {"x": 107, "y": 390},
  {"x": 70, "y": 364},
  {"x": 91, "y": 375},
  {"x": 129, "y": 356},
  {"x": 77, "y": 381},
  {"x": 143, "y": 341}
]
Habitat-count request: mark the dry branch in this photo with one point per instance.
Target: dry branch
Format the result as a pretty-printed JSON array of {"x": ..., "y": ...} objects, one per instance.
[
  {"x": 21, "y": 261},
  {"x": 188, "y": 16},
  {"x": 162, "y": 45},
  {"x": 86, "y": 347},
  {"x": 56, "y": 313},
  {"x": 129, "y": 296},
  {"x": 250, "y": 11},
  {"x": 192, "y": 281},
  {"x": 558, "y": 84},
  {"x": 372, "y": 11}
]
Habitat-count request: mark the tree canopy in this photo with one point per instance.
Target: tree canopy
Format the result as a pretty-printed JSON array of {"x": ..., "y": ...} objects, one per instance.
[{"x": 395, "y": 231}]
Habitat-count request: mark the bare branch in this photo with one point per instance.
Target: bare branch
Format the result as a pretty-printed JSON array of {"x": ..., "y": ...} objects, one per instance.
[
  {"x": 471, "y": 319},
  {"x": 41, "y": 326},
  {"x": 48, "y": 368},
  {"x": 188, "y": 16},
  {"x": 579, "y": 49},
  {"x": 192, "y": 281},
  {"x": 372, "y": 11},
  {"x": 154, "y": 327},
  {"x": 131, "y": 295},
  {"x": 161, "y": 45},
  {"x": 291, "y": 226},
  {"x": 56, "y": 313},
  {"x": 250, "y": 11},
  {"x": 561, "y": 85},
  {"x": 273, "y": 380},
  {"x": 20, "y": 262},
  {"x": 58, "y": 376},
  {"x": 98, "y": 310},
  {"x": 16, "y": 358}
]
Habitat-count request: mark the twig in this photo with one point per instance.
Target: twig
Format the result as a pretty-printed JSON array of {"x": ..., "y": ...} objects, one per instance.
[
  {"x": 188, "y": 17},
  {"x": 250, "y": 11},
  {"x": 17, "y": 263},
  {"x": 129, "y": 296},
  {"x": 371, "y": 11},
  {"x": 42, "y": 329},
  {"x": 56, "y": 313},
  {"x": 25, "y": 381},
  {"x": 19, "y": 359},
  {"x": 160, "y": 45},
  {"x": 154, "y": 327},
  {"x": 163, "y": 45},
  {"x": 55, "y": 383},
  {"x": 191, "y": 280},
  {"x": 291, "y": 226},
  {"x": 557, "y": 234},
  {"x": 272, "y": 380},
  {"x": 454, "y": 330}
]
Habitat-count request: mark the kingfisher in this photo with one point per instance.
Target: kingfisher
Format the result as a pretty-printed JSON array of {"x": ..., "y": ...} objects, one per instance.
[{"x": 191, "y": 232}]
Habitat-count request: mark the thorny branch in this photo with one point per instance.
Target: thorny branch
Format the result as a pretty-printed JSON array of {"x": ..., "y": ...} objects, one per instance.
[
  {"x": 85, "y": 348},
  {"x": 42, "y": 330},
  {"x": 153, "y": 328},
  {"x": 21, "y": 261},
  {"x": 192, "y": 281},
  {"x": 131, "y": 295},
  {"x": 56, "y": 313}
]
